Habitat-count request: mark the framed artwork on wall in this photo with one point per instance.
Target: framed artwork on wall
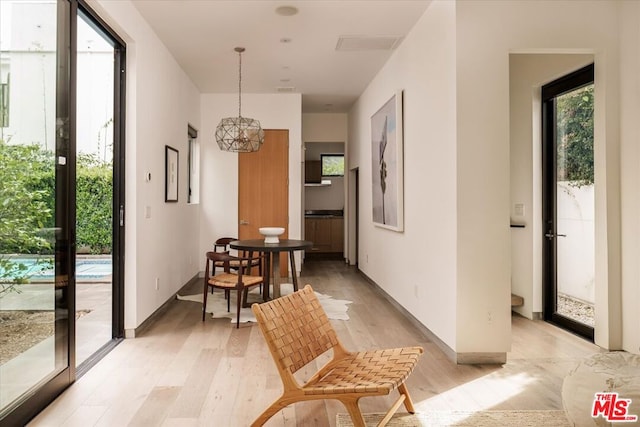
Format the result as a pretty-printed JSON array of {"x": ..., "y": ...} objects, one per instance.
[
  {"x": 170, "y": 174},
  {"x": 387, "y": 170}
]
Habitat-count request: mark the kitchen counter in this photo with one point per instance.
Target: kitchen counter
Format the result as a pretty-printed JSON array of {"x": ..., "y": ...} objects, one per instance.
[{"x": 324, "y": 213}]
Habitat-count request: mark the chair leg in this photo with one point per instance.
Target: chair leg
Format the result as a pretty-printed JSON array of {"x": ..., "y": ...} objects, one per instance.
[
  {"x": 204, "y": 301},
  {"x": 238, "y": 308},
  {"x": 227, "y": 294},
  {"x": 354, "y": 412},
  {"x": 245, "y": 298},
  {"x": 408, "y": 403}
]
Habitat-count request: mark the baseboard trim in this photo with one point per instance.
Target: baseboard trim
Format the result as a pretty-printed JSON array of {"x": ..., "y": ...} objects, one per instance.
[
  {"x": 457, "y": 358},
  {"x": 132, "y": 333}
]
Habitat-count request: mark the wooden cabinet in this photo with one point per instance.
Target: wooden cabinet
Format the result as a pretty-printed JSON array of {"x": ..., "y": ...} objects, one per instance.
[
  {"x": 325, "y": 233},
  {"x": 337, "y": 233},
  {"x": 312, "y": 171}
]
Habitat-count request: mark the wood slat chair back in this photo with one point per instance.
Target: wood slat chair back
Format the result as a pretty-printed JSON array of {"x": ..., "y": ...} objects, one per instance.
[
  {"x": 297, "y": 331},
  {"x": 222, "y": 245}
]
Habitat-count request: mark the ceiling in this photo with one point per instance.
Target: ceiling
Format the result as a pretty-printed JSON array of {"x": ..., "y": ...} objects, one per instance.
[{"x": 295, "y": 53}]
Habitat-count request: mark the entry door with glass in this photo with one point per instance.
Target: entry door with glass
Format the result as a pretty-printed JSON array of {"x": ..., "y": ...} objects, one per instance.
[{"x": 568, "y": 202}]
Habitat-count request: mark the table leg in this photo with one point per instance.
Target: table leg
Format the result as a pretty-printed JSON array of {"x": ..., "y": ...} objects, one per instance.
[
  {"x": 267, "y": 277},
  {"x": 276, "y": 275},
  {"x": 293, "y": 271}
]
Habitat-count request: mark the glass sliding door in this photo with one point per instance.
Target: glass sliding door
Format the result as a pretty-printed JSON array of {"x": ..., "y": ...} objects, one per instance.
[
  {"x": 94, "y": 188},
  {"x": 568, "y": 202},
  {"x": 36, "y": 273},
  {"x": 61, "y": 199}
]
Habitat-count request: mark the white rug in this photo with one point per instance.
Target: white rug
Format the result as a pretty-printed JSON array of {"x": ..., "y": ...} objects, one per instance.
[
  {"x": 466, "y": 419},
  {"x": 336, "y": 309}
]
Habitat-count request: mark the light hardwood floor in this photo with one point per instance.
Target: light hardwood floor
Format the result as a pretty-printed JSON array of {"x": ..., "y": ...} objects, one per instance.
[{"x": 183, "y": 372}]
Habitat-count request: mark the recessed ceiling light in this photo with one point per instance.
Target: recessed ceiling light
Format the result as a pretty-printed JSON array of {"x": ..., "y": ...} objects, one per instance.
[{"x": 287, "y": 10}]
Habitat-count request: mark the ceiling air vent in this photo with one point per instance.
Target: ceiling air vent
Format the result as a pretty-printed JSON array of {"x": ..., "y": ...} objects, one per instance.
[
  {"x": 352, "y": 43},
  {"x": 285, "y": 89}
]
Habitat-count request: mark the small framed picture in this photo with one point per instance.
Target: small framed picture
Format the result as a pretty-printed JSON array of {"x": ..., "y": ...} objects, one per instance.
[{"x": 170, "y": 174}]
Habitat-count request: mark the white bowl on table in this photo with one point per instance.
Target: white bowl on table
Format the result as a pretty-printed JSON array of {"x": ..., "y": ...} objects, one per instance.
[{"x": 271, "y": 234}]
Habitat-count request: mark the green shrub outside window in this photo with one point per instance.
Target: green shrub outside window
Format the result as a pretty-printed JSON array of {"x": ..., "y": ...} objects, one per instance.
[{"x": 332, "y": 164}]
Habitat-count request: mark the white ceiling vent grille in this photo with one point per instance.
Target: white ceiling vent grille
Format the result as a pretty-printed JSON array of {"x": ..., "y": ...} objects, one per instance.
[
  {"x": 286, "y": 89},
  {"x": 352, "y": 43}
]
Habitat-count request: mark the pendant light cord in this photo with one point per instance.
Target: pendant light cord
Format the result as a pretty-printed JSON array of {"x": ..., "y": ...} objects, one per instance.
[{"x": 239, "y": 84}]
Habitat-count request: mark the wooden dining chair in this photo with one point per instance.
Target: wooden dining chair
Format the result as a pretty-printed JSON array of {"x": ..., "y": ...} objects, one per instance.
[
  {"x": 240, "y": 281},
  {"x": 297, "y": 331},
  {"x": 222, "y": 245}
]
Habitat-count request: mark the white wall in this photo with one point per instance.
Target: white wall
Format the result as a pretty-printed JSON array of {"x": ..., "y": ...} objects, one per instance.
[
  {"x": 219, "y": 180},
  {"x": 161, "y": 101},
  {"x": 527, "y": 74},
  {"x": 477, "y": 269},
  {"x": 324, "y": 127},
  {"x": 418, "y": 266},
  {"x": 487, "y": 31},
  {"x": 630, "y": 172},
  {"x": 450, "y": 267}
]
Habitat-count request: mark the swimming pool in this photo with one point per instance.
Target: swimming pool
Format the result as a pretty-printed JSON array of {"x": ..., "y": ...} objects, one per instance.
[{"x": 86, "y": 268}]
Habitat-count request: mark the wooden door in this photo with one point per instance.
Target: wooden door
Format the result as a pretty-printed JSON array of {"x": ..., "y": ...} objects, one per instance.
[{"x": 263, "y": 189}]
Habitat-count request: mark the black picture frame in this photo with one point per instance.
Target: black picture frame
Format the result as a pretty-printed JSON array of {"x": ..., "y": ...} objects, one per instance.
[{"x": 171, "y": 157}]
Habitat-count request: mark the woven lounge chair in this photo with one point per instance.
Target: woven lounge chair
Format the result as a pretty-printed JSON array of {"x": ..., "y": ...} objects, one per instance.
[{"x": 297, "y": 331}]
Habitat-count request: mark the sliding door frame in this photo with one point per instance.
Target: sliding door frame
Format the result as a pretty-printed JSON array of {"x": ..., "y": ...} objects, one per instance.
[{"x": 68, "y": 11}]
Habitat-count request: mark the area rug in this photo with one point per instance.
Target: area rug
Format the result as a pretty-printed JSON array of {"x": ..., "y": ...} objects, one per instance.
[
  {"x": 466, "y": 419},
  {"x": 336, "y": 309}
]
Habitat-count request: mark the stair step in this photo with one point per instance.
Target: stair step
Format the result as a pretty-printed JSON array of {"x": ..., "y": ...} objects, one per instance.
[{"x": 516, "y": 301}]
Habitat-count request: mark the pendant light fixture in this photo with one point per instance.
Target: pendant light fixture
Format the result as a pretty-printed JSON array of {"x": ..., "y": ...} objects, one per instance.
[{"x": 239, "y": 134}]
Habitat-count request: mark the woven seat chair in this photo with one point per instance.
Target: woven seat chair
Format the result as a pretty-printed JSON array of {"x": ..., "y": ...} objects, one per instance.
[
  {"x": 222, "y": 245},
  {"x": 228, "y": 281},
  {"x": 297, "y": 331}
]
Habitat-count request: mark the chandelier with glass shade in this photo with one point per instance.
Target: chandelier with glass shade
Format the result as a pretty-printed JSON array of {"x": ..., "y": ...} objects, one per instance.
[{"x": 239, "y": 134}]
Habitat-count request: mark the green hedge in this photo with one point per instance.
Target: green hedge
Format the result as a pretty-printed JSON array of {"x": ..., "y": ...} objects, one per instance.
[
  {"x": 27, "y": 201},
  {"x": 94, "y": 205}
]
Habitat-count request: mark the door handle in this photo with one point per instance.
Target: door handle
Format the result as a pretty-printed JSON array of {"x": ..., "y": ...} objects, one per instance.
[
  {"x": 243, "y": 222},
  {"x": 551, "y": 235}
]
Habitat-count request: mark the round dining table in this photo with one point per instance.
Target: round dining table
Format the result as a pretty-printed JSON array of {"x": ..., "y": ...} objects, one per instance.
[{"x": 273, "y": 265}]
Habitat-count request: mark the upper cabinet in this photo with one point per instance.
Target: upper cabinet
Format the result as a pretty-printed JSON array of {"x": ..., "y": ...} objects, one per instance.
[{"x": 312, "y": 172}]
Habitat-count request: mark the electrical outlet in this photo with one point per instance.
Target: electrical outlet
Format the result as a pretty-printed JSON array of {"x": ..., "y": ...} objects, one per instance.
[
  {"x": 157, "y": 283},
  {"x": 489, "y": 316}
]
